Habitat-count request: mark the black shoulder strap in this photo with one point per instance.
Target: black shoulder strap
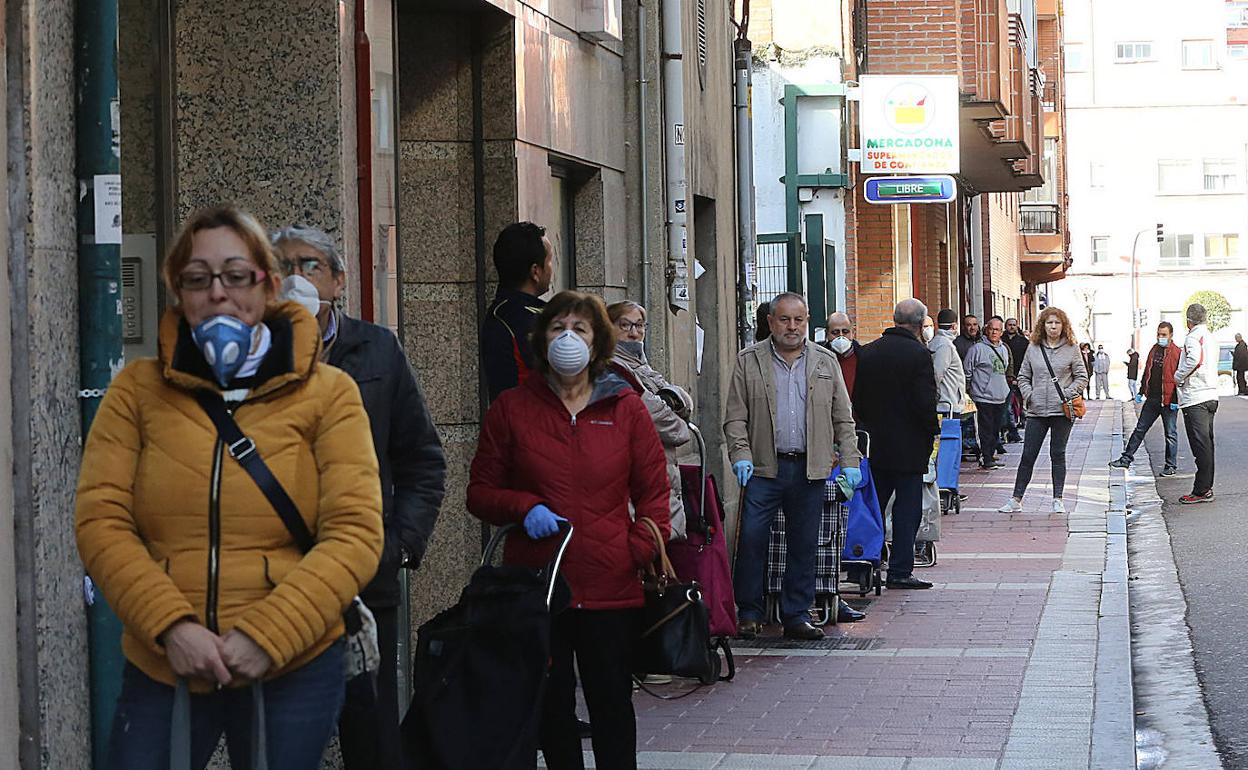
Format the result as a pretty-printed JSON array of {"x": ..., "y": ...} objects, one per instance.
[
  {"x": 1004, "y": 363},
  {"x": 1052, "y": 375},
  {"x": 244, "y": 451}
]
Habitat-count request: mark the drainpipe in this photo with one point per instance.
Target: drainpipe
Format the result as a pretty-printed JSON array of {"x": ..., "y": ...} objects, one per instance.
[
  {"x": 975, "y": 298},
  {"x": 643, "y": 93},
  {"x": 98, "y": 168},
  {"x": 674, "y": 142},
  {"x": 745, "y": 189},
  {"x": 364, "y": 159}
]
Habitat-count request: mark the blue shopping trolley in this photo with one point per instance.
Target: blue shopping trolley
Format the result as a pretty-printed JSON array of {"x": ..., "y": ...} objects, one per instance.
[{"x": 948, "y": 464}]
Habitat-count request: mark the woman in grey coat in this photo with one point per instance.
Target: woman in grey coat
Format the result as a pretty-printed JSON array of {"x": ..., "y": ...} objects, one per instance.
[
  {"x": 1042, "y": 402},
  {"x": 629, "y": 319}
]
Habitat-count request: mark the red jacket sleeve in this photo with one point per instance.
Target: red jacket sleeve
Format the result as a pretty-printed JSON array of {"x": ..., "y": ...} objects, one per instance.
[
  {"x": 489, "y": 496},
  {"x": 648, "y": 484}
]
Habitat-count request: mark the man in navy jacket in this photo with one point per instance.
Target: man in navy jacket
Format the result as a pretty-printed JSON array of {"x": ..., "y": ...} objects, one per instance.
[{"x": 524, "y": 259}]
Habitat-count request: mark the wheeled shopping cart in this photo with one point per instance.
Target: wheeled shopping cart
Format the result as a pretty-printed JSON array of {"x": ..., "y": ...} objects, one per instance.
[
  {"x": 827, "y": 559},
  {"x": 948, "y": 465}
]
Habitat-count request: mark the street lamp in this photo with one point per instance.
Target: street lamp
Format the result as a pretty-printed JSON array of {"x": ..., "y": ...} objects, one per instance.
[{"x": 1135, "y": 309}]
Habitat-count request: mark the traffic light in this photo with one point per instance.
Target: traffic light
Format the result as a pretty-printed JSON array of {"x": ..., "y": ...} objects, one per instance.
[{"x": 1161, "y": 232}]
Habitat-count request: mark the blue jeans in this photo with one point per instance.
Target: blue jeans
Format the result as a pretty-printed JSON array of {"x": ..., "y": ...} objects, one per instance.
[
  {"x": 300, "y": 711},
  {"x": 803, "y": 508},
  {"x": 1149, "y": 412}
]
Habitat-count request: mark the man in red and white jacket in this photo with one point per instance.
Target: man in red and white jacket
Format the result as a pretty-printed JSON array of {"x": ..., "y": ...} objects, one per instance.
[
  {"x": 1159, "y": 398},
  {"x": 1197, "y": 378}
]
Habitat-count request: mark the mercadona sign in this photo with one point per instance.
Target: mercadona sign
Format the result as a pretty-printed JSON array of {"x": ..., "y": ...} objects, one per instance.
[{"x": 909, "y": 124}]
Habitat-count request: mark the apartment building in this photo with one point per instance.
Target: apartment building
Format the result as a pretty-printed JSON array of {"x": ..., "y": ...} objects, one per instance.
[{"x": 1158, "y": 137}]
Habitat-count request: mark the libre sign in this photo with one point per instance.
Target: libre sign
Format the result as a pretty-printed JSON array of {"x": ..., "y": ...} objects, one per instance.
[
  {"x": 909, "y": 124},
  {"x": 911, "y": 189}
]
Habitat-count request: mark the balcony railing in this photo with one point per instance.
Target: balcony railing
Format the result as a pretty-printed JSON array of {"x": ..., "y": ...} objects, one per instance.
[{"x": 1040, "y": 218}]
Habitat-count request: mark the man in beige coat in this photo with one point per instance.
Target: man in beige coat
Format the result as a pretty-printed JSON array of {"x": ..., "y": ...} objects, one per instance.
[{"x": 788, "y": 422}]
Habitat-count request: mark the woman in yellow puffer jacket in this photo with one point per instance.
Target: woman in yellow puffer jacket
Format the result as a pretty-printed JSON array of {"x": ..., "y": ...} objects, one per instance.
[{"x": 207, "y": 581}]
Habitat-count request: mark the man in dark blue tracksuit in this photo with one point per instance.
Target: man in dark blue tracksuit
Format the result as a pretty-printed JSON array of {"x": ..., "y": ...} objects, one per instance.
[{"x": 524, "y": 259}]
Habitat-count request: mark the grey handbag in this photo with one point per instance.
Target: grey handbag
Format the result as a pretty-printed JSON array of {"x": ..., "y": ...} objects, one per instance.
[{"x": 180, "y": 729}]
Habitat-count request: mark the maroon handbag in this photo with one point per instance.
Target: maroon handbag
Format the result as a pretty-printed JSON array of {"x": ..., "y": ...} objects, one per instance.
[{"x": 703, "y": 557}]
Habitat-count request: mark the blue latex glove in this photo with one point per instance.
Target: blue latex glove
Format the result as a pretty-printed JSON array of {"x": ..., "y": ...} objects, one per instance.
[
  {"x": 853, "y": 476},
  {"x": 541, "y": 522},
  {"x": 1139, "y": 398},
  {"x": 744, "y": 470},
  {"x": 1174, "y": 407},
  {"x": 847, "y": 481}
]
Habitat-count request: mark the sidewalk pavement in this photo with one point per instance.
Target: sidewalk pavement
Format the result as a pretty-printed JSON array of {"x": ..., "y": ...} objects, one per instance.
[{"x": 1019, "y": 658}]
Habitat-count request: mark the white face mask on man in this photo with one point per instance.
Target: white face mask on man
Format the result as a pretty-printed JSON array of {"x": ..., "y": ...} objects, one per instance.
[
  {"x": 568, "y": 354},
  {"x": 840, "y": 345},
  {"x": 299, "y": 289},
  {"x": 928, "y": 333}
]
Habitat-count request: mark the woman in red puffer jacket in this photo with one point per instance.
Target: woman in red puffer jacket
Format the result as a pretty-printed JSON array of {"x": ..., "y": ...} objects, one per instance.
[{"x": 577, "y": 444}]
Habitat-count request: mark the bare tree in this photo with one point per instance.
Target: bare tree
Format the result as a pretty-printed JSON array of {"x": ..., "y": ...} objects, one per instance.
[{"x": 1088, "y": 298}]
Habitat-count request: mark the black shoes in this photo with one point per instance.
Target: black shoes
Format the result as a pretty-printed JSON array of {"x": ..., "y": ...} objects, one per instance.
[
  {"x": 1121, "y": 462},
  {"x": 847, "y": 614},
  {"x": 909, "y": 581},
  {"x": 748, "y": 629},
  {"x": 1169, "y": 470},
  {"x": 804, "y": 631}
]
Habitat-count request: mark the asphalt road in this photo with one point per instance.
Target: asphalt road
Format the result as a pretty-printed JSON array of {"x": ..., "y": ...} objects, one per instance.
[{"x": 1210, "y": 543}]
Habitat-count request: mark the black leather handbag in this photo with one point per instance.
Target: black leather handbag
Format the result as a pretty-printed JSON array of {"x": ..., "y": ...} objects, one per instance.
[{"x": 675, "y": 632}]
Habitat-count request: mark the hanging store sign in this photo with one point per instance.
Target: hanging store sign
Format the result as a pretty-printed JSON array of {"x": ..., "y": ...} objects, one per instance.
[
  {"x": 909, "y": 124},
  {"x": 910, "y": 189}
]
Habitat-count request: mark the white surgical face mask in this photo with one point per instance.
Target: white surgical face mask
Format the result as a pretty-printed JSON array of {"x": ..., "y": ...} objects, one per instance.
[
  {"x": 568, "y": 354},
  {"x": 301, "y": 290},
  {"x": 841, "y": 345},
  {"x": 928, "y": 333}
]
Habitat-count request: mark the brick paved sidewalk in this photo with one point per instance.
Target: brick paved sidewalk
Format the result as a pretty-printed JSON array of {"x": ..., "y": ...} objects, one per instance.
[{"x": 997, "y": 666}]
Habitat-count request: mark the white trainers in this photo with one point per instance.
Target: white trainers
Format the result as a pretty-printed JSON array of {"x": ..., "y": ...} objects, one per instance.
[
  {"x": 1058, "y": 505},
  {"x": 1013, "y": 506}
]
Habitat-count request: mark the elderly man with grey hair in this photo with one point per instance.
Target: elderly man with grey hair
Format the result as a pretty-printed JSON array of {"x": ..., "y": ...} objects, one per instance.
[
  {"x": 896, "y": 404},
  {"x": 1197, "y": 381},
  {"x": 412, "y": 470}
]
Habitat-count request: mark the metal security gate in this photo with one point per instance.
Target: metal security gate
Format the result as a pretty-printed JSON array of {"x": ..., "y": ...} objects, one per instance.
[{"x": 777, "y": 265}]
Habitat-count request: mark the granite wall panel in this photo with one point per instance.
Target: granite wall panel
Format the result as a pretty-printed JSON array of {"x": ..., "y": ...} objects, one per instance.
[
  {"x": 260, "y": 116},
  {"x": 52, "y": 638}
]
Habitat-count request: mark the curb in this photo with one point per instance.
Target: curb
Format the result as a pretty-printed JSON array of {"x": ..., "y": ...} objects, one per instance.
[
  {"x": 1113, "y": 723},
  {"x": 1173, "y": 720}
]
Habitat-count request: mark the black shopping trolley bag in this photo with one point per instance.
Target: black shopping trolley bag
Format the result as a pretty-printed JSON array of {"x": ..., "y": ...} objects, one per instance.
[{"x": 481, "y": 669}]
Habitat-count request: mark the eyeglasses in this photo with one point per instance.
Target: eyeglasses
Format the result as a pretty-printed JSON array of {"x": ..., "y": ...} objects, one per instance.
[
  {"x": 235, "y": 278},
  {"x": 305, "y": 266},
  {"x": 629, "y": 326}
]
